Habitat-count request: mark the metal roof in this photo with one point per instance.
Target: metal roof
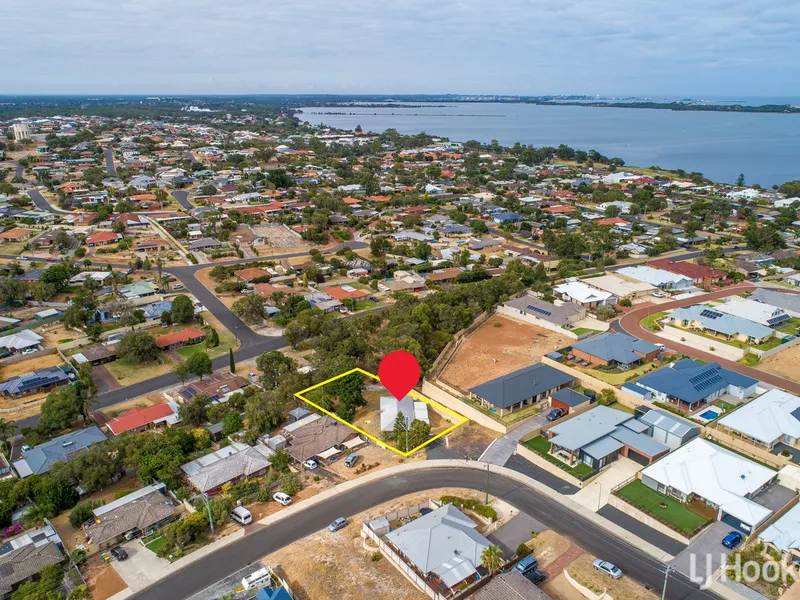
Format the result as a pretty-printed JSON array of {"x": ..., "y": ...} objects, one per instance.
[
  {"x": 520, "y": 385},
  {"x": 616, "y": 347},
  {"x": 588, "y": 427},
  {"x": 720, "y": 322},
  {"x": 663, "y": 420},
  {"x": 570, "y": 397},
  {"x": 692, "y": 381},
  {"x": 767, "y": 418},
  {"x": 40, "y": 458}
]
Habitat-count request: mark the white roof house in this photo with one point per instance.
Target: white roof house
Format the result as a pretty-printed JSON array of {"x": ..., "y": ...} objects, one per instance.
[
  {"x": 578, "y": 291},
  {"x": 443, "y": 542},
  {"x": 767, "y": 418},
  {"x": 621, "y": 288},
  {"x": 411, "y": 410},
  {"x": 657, "y": 277},
  {"x": 20, "y": 340},
  {"x": 759, "y": 312},
  {"x": 715, "y": 474},
  {"x": 784, "y": 533}
]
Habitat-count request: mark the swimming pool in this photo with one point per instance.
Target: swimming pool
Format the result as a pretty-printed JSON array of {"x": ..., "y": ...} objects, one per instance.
[{"x": 709, "y": 414}]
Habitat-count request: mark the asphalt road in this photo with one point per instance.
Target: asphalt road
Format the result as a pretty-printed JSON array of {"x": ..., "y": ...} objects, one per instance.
[
  {"x": 110, "y": 168},
  {"x": 190, "y": 157},
  {"x": 42, "y": 204},
  {"x": 182, "y": 196},
  {"x": 19, "y": 171},
  {"x": 261, "y": 541}
]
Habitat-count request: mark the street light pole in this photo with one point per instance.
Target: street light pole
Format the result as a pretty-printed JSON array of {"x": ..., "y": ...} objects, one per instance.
[
  {"x": 666, "y": 576},
  {"x": 487, "y": 484}
]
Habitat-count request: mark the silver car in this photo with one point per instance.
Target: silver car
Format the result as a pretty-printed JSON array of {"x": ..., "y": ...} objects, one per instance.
[{"x": 607, "y": 568}]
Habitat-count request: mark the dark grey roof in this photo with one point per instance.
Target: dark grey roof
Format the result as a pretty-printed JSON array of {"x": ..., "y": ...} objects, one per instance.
[
  {"x": 522, "y": 384},
  {"x": 39, "y": 458},
  {"x": 790, "y": 302},
  {"x": 559, "y": 315},
  {"x": 570, "y": 397},
  {"x": 20, "y": 564},
  {"x": 510, "y": 586},
  {"x": 36, "y": 379},
  {"x": 617, "y": 347}
]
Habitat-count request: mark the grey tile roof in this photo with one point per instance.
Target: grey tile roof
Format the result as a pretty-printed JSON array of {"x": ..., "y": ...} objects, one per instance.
[
  {"x": 141, "y": 512},
  {"x": 510, "y": 586},
  {"x": 520, "y": 385},
  {"x": 211, "y": 471},
  {"x": 39, "y": 459},
  {"x": 20, "y": 564},
  {"x": 317, "y": 436},
  {"x": 617, "y": 347}
]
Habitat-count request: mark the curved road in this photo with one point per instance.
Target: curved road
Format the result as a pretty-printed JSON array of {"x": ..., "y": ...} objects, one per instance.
[
  {"x": 631, "y": 324},
  {"x": 42, "y": 204},
  {"x": 260, "y": 541},
  {"x": 182, "y": 196}
]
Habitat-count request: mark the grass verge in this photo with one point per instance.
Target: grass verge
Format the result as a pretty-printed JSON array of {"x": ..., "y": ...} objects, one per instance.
[{"x": 662, "y": 508}]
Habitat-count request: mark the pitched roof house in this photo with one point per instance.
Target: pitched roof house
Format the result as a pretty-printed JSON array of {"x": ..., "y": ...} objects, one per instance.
[{"x": 40, "y": 458}]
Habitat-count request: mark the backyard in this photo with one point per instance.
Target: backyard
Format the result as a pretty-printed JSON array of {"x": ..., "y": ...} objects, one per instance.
[
  {"x": 508, "y": 419},
  {"x": 616, "y": 377},
  {"x": 662, "y": 508}
]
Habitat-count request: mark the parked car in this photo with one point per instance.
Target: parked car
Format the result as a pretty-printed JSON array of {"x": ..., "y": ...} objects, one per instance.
[
  {"x": 536, "y": 576},
  {"x": 338, "y": 524},
  {"x": 555, "y": 414},
  {"x": 119, "y": 553},
  {"x": 241, "y": 515},
  {"x": 178, "y": 286},
  {"x": 733, "y": 539},
  {"x": 282, "y": 498},
  {"x": 30, "y": 350},
  {"x": 658, "y": 294},
  {"x": 310, "y": 464},
  {"x": 374, "y": 299},
  {"x": 351, "y": 460},
  {"x": 527, "y": 564},
  {"x": 607, "y": 568}
]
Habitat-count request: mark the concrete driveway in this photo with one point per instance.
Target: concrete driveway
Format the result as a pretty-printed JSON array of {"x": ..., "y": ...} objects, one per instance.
[
  {"x": 595, "y": 495},
  {"x": 141, "y": 568},
  {"x": 706, "y": 554}
]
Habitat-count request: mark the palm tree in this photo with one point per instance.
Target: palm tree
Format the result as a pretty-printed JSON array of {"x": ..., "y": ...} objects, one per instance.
[
  {"x": 492, "y": 558},
  {"x": 159, "y": 266},
  {"x": 277, "y": 298},
  {"x": 34, "y": 516}
]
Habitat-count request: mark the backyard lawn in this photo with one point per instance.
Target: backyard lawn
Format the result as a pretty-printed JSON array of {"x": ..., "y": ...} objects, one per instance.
[
  {"x": 517, "y": 415},
  {"x": 127, "y": 372},
  {"x": 649, "y": 501},
  {"x": 616, "y": 378},
  {"x": 541, "y": 446},
  {"x": 155, "y": 545},
  {"x": 582, "y": 330}
]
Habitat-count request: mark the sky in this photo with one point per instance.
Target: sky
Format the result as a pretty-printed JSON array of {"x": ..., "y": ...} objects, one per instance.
[{"x": 713, "y": 48}]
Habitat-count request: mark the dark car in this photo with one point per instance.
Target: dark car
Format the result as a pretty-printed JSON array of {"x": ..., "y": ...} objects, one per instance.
[
  {"x": 527, "y": 565},
  {"x": 555, "y": 414},
  {"x": 119, "y": 553},
  {"x": 536, "y": 576},
  {"x": 733, "y": 539}
]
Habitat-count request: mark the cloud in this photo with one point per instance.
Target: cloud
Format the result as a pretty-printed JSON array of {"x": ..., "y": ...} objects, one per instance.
[{"x": 363, "y": 46}]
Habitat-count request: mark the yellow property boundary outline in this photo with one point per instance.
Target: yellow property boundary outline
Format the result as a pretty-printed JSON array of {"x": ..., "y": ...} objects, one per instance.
[{"x": 461, "y": 418}]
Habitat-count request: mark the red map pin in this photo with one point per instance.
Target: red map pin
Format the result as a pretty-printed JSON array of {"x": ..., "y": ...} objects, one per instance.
[{"x": 399, "y": 372}]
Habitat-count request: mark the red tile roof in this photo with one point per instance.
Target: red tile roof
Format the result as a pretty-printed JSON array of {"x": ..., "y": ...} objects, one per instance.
[
  {"x": 249, "y": 274},
  {"x": 341, "y": 294},
  {"x": 102, "y": 236},
  {"x": 681, "y": 267},
  {"x": 176, "y": 337},
  {"x": 137, "y": 417}
]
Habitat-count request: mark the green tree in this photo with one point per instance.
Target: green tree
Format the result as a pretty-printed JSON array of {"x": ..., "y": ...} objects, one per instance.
[
  {"x": 380, "y": 246},
  {"x": 232, "y": 423},
  {"x": 479, "y": 226},
  {"x": 200, "y": 364},
  {"x": 492, "y": 558},
  {"x": 194, "y": 412},
  {"x": 138, "y": 347},
  {"x": 182, "y": 371},
  {"x": 82, "y": 513},
  {"x": 232, "y": 362},
  {"x": 182, "y": 309},
  {"x": 12, "y": 291},
  {"x": 94, "y": 331},
  {"x": 60, "y": 409},
  {"x": 290, "y": 483},
  {"x": 43, "y": 588},
  {"x": 274, "y": 366},
  {"x": 250, "y": 309}
]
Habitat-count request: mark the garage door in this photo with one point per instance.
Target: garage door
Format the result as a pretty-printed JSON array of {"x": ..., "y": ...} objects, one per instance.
[
  {"x": 735, "y": 523},
  {"x": 638, "y": 458}
]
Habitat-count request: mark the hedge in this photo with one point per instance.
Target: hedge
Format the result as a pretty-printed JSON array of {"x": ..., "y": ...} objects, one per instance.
[{"x": 470, "y": 504}]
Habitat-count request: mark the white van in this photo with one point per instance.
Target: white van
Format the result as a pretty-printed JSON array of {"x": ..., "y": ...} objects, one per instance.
[{"x": 241, "y": 515}]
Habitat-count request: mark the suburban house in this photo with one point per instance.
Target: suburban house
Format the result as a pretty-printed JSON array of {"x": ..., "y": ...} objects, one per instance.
[
  {"x": 205, "y": 244},
  {"x": 140, "y": 289},
  {"x": 40, "y": 458},
  {"x": 16, "y": 235},
  {"x": 759, "y": 312},
  {"x": 218, "y": 386},
  {"x": 657, "y": 277},
  {"x": 97, "y": 354},
  {"x": 145, "y": 418},
  {"x": 441, "y": 547},
  {"x": 103, "y": 238},
  {"x": 707, "y": 319},
  {"x": 523, "y": 387},
  {"x": 714, "y": 475},
  {"x": 320, "y": 437},
  {"x": 599, "y": 436},
  {"x": 701, "y": 275},
  {"x": 248, "y": 275},
  {"x": 615, "y": 349},
  {"x": 532, "y": 310},
  {"x": 583, "y": 294},
  {"x": 23, "y": 557},
  {"x": 621, "y": 288},
  {"x": 232, "y": 463},
  {"x": 667, "y": 428},
  {"x": 41, "y": 380},
  {"x": 788, "y": 302},
  {"x": 345, "y": 292},
  {"x": 412, "y": 410},
  {"x": 179, "y": 339},
  {"x": 688, "y": 384},
  {"x": 568, "y": 400},
  {"x": 139, "y": 513},
  {"x": 771, "y": 421},
  {"x": 784, "y": 535},
  {"x": 22, "y": 340},
  {"x": 151, "y": 245}
]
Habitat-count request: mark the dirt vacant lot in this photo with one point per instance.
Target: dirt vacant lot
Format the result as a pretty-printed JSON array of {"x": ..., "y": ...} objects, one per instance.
[
  {"x": 499, "y": 346},
  {"x": 783, "y": 363}
]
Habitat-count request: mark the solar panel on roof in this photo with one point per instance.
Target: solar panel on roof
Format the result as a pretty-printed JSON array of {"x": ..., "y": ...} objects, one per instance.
[
  {"x": 539, "y": 310},
  {"x": 711, "y": 314}
]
